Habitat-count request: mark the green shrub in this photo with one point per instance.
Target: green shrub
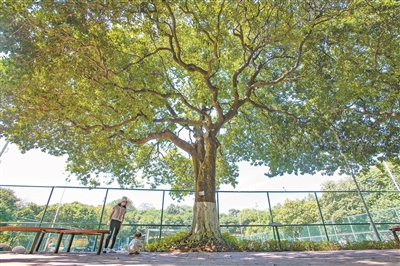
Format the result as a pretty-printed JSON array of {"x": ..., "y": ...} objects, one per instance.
[
  {"x": 367, "y": 244},
  {"x": 180, "y": 239},
  {"x": 230, "y": 239},
  {"x": 164, "y": 244}
]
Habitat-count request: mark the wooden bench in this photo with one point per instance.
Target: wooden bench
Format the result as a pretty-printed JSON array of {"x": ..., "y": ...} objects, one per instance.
[
  {"x": 394, "y": 229},
  {"x": 40, "y": 232},
  {"x": 81, "y": 232}
]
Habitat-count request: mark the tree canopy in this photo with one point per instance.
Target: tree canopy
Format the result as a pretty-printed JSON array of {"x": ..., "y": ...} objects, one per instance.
[{"x": 177, "y": 92}]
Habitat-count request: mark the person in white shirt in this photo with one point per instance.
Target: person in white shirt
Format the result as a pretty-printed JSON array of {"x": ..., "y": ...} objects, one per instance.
[
  {"x": 135, "y": 245},
  {"x": 116, "y": 218}
]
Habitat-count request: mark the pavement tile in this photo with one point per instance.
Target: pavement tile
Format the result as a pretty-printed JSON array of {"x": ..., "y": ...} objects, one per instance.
[{"x": 318, "y": 258}]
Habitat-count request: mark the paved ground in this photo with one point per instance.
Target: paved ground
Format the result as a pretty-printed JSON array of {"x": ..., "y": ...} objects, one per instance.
[{"x": 362, "y": 257}]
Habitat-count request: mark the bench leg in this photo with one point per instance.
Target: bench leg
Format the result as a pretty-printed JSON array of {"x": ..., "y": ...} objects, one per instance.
[
  {"x": 35, "y": 242},
  {"x": 70, "y": 243},
  {"x": 396, "y": 238},
  {"x": 58, "y": 242},
  {"x": 40, "y": 241},
  {"x": 100, "y": 244}
]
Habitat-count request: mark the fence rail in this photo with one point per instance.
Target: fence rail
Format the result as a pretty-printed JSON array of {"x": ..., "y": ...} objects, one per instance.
[{"x": 353, "y": 227}]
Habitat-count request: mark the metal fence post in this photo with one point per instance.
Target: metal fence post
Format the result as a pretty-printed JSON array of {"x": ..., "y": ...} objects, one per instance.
[
  {"x": 270, "y": 208},
  {"x": 102, "y": 210},
  {"x": 218, "y": 205},
  {"x": 47, "y": 205},
  {"x": 272, "y": 217},
  {"x": 101, "y": 218},
  {"x": 162, "y": 213},
  {"x": 322, "y": 217}
]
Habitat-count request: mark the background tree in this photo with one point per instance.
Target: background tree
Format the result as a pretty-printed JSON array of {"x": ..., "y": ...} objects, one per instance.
[
  {"x": 263, "y": 218},
  {"x": 9, "y": 205},
  {"x": 229, "y": 219},
  {"x": 76, "y": 212},
  {"x": 392, "y": 169},
  {"x": 30, "y": 211},
  {"x": 377, "y": 179},
  {"x": 340, "y": 200},
  {"x": 179, "y": 91},
  {"x": 297, "y": 212},
  {"x": 178, "y": 214},
  {"x": 73, "y": 214}
]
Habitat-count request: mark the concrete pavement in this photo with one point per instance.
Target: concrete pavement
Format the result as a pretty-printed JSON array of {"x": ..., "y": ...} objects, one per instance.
[{"x": 346, "y": 257}]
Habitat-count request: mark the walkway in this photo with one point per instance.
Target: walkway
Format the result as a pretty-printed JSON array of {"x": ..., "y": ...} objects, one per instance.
[{"x": 361, "y": 257}]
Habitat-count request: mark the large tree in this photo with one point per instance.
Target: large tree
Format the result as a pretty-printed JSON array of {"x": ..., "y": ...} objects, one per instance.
[{"x": 177, "y": 92}]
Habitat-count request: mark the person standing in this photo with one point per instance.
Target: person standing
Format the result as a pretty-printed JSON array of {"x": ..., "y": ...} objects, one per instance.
[{"x": 116, "y": 218}]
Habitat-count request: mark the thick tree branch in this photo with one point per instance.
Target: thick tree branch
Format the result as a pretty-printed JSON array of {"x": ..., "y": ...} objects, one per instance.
[
  {"x": 380, "y": 114},
  {"x": 165, "y": 135},
  {"x": 143, "y": 58},
  {"x": 290, "y": 71},
  {"x": 271, "y": 110},
  {"x": 164, "y": 96},
  {"x": 179, "y": 120},
  {"x": 174, "y": 42},
  {"x": 103, "y": 126},
  {"x": 247, "y": 61},
  {"x": 215, "y": 40}
]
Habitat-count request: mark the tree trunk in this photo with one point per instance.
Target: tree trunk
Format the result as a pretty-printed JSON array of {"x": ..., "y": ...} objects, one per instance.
[{"x": 205, "y": 222}]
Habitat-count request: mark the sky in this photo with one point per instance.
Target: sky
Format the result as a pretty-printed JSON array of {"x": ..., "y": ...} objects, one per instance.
[{"x": 35, "y": 168}]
